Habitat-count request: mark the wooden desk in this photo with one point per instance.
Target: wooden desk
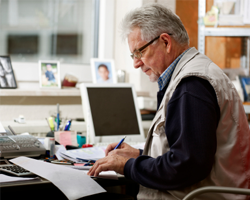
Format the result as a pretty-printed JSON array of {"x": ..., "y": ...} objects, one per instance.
[{"x": 45, "y": 190}]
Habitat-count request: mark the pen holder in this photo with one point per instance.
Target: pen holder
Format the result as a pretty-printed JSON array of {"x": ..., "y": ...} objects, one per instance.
[
  {"x": 81, "y": 140},
  {"x": 66, "y": 138}
]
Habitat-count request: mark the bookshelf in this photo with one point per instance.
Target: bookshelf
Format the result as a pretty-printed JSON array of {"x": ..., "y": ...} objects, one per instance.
[{"x": 227, "y": 31}]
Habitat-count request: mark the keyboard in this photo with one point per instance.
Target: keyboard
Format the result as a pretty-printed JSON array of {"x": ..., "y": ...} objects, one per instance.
[{"x": 15, "y": 170}]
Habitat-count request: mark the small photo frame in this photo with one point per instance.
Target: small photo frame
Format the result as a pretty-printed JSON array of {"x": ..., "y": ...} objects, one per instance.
[
  {"x": 103, "y": 70},
  {"x": 49, "y": 74},
  {"x": 245, "y": 84},
  {"x": 7, "y": 77}
]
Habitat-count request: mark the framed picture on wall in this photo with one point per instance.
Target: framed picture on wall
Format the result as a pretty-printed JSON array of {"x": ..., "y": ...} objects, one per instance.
[
  {"x": 103, "y": 70},
  {"x": 7, "y": 77},
  {"x": 49, "y": 74}
]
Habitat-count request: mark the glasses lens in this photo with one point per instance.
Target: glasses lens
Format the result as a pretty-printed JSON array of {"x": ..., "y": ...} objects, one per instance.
[{"x": 137, "y": 54}]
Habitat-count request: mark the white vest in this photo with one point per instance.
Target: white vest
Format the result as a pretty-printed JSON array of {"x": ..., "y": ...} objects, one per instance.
[{"x": 232, "y": 159}]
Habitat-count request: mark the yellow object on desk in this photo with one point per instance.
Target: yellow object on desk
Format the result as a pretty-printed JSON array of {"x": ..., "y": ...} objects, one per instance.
[{"x": 51, "y": 123}]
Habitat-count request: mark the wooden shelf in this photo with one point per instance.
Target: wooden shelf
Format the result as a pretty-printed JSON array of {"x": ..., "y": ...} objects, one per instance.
[
  {"x": 41, "y": 126},
  {"x": 52, "y": 92},
  {"x": 40, "y": 92}
]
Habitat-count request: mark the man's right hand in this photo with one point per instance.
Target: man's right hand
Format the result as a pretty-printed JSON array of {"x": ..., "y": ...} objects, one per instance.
[{"x": 124, "y": 150}]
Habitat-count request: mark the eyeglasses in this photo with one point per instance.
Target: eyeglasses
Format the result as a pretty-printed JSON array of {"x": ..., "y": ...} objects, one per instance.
[{"x": 138, "y": 54}]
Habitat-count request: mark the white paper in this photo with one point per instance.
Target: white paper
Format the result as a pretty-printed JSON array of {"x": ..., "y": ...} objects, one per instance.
[
  {"x": 58, "y": 149},
  {"x": 93, "y": 153},
  {"x": 2, "y": 130},
  {"x": 139, "y": 145},
  {"x": 106, "y": 175},
  {"x": 73, "y": 183},
  {"x": 10, "y": 179},
  {"x": 80, "y": 167}
]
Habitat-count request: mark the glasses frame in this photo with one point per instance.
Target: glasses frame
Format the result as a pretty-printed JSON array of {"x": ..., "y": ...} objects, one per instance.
[{"x": 143, "y": 47}]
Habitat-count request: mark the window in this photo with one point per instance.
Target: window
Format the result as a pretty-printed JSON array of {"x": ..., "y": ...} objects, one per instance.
[{"x": 64, "y": 30}]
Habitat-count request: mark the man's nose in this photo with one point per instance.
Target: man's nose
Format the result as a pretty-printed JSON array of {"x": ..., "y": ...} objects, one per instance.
[{"x": 137, "y": 63}]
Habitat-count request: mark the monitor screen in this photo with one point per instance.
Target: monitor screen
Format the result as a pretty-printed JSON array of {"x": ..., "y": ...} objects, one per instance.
[{"x": 113, "y": 111}]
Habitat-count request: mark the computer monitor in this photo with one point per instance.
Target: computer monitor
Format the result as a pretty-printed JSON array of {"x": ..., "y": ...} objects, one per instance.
[{"x": 111, "y": 112}]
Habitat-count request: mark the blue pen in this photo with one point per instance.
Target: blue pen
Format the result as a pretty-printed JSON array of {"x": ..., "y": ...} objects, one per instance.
[
  {"x": 86, "y": 160},
  {"x": 67, "y": 126},
  {"x": 58, "y": 118},
  {"x": 120, "y": 143}
]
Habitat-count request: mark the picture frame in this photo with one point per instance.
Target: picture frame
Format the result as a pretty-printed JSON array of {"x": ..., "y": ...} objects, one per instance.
[
  {"x": 245, "y": 84},
  {"x": 103, "y": 70},
  {"x": 7, "y": 76},
  {"x": 49, "y": 74}
]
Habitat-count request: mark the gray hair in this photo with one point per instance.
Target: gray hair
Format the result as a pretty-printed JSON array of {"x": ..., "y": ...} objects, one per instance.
[{"x": 153, "y": 20}]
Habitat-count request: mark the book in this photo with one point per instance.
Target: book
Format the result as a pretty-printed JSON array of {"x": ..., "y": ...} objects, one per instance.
[{"x": 245, "y": 83}]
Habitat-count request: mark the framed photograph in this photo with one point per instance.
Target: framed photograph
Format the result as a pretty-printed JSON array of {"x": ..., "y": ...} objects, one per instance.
[
  {"x": 49, "y": 74},
  {"x": 103, "y": 71},
  {"x": 7, "y": 77},
  {"x": 245, "y": 83}
]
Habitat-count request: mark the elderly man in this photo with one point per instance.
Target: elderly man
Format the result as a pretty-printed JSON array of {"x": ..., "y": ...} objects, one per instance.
[{"x": 200, "y": 134}]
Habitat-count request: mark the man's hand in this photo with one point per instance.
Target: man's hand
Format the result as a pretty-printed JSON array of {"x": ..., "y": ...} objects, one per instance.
[
  {"x": 124, "y": 150},
  {"x": 111, "y": 162},
  {"x": 115, "y": 159}
]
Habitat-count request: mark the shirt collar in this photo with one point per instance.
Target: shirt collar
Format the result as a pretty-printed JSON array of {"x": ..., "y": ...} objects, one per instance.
[{"x": 166, "y": 75}]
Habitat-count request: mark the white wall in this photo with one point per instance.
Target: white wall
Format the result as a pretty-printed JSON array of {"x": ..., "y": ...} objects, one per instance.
[
  {"x": 110, "y": 46},
  {"x": 106, "y": 29},
  {"x": 121, "y": 51}
]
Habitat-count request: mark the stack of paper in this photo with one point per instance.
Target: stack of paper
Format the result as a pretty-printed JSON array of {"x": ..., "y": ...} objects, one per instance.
[{"x": 84, "y": 154}]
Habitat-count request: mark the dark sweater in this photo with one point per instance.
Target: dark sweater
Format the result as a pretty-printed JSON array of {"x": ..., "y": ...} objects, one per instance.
[{"x": 191, "y": 121}]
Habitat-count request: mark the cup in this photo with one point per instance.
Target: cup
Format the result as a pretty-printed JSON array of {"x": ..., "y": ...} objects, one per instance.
[
  {"x": 120, "y": 76},
  {"x": 81, "y": 140}
]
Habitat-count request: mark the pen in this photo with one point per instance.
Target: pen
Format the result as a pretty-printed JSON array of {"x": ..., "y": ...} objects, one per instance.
[
  {"x": 120, "y": 143},
  {"x": 89, "y": 163},
  {"x": 67, "y": 126},
  {"x": 12, "y": 131},
  {"x": 58, "y": 118},
  {"x": 86, "y": 160}
]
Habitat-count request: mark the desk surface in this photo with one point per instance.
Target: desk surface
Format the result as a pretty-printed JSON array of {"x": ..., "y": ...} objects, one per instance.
[{"x": 46, "y": 190}]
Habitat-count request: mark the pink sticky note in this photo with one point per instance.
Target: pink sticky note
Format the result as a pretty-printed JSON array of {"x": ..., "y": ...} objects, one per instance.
[
  {"x": 65, "y": 138},
  {"x": 79, "y": 164}
]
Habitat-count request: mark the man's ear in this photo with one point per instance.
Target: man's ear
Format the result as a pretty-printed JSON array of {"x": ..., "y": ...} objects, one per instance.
[{"x": 167, "y": 41}]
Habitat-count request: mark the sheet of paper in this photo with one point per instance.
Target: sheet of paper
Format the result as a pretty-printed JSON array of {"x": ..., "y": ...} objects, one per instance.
[
  {"x": 10, "y": 179},
  {"x": 73, "y": 183},
  {"x": 58, "y": 149},
  {"x": 139, "y": 145},
  {"x": 2, "y": 130},
  {"x": 81, "y": 167},
  {"x": 92, "y": 153},
  {"x": 105, "y": 175}
]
